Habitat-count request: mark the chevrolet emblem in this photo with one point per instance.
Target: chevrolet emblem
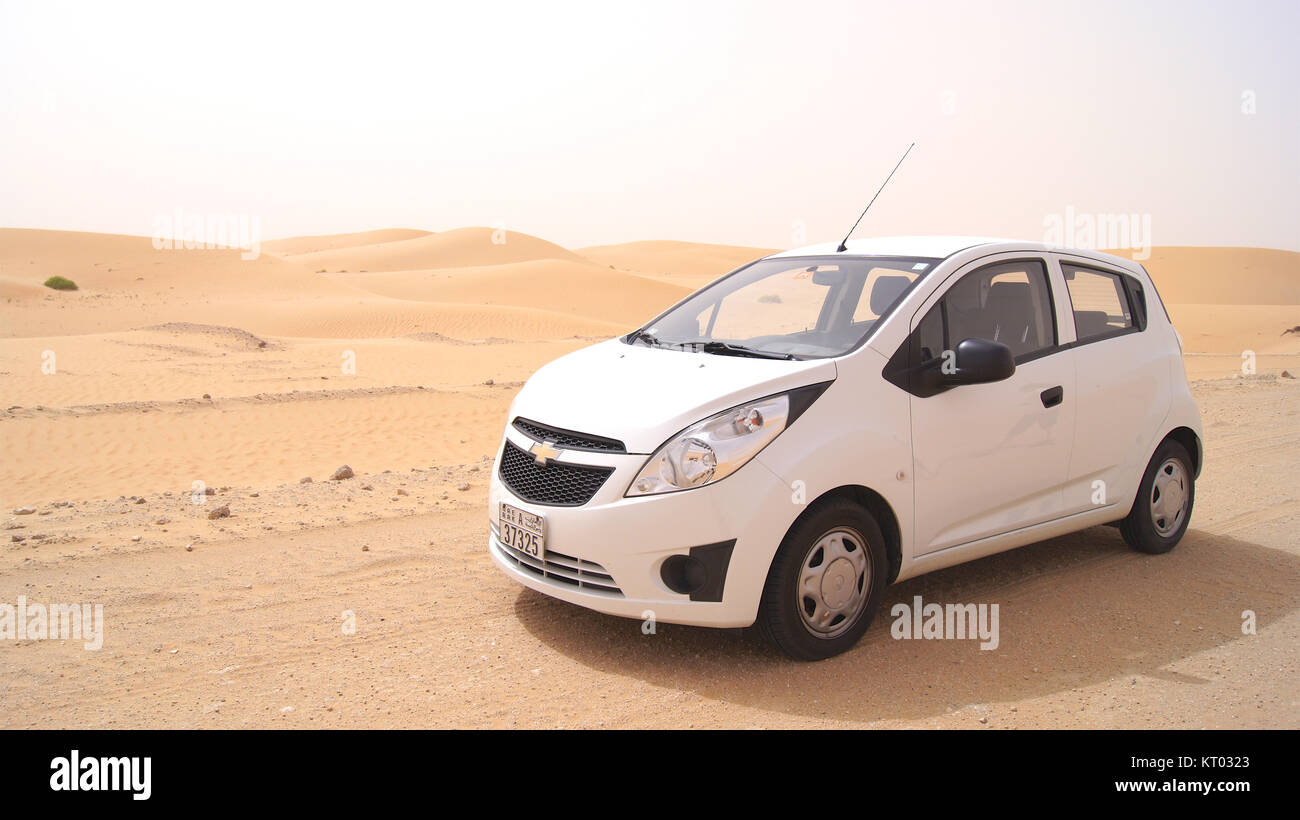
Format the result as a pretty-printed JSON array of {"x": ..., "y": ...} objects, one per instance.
[{"x": 544, "y": 452}]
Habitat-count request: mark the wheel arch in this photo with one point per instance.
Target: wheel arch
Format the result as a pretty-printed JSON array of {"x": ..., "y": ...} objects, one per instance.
[
  {"x": 1187, "y": 437},
  {"x": 879, "y": 508}
]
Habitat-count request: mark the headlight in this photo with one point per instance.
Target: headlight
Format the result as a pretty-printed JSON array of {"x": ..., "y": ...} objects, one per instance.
[{"x": 713, "y": 449}]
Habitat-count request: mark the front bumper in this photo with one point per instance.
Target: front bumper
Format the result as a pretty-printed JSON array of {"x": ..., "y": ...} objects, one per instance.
[{"x": 608, "y": 553}]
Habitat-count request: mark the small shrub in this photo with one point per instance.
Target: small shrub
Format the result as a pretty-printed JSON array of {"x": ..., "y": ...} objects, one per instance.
[
  {"x": 60, "y": 283},
  {"x": 770, "y": 298}
]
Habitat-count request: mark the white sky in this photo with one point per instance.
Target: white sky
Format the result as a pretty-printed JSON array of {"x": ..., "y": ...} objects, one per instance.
[{"x": 610, "y": 122}]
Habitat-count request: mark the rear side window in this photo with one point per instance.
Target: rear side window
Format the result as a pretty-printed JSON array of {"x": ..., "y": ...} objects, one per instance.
[{"x": 1101, "y": 302}]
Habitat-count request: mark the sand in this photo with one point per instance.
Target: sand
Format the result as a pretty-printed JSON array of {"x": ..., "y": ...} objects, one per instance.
[
  {"x": 185, "y": 366},
  {"x": 460, "y": 247}
]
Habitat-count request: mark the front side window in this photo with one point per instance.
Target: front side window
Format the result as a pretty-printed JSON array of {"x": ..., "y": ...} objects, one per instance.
[
  {"x": 1100, "y": 305},
  {"x": 1008, "y": 302},
  {"x": 794, "y": 307}
]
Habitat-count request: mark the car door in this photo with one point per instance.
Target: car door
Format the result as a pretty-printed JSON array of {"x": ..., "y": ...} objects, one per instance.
[
  {"x": 1123, "y": 384},
  {"x": 990, "y": 458}
]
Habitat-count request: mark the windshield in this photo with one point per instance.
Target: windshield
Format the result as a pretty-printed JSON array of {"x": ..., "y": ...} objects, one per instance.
[{"x": 792, "y": 307}]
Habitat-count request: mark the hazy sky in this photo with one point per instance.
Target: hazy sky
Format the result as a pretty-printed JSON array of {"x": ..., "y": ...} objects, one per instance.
[{"x": 607, "y": 122}]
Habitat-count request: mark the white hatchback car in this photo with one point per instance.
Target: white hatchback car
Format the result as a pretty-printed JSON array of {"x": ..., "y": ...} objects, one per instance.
[{"x": 784, "y": 443}]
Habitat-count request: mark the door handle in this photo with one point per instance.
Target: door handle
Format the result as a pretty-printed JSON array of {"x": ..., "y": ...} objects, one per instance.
[{"x": 1052, "y": 396}]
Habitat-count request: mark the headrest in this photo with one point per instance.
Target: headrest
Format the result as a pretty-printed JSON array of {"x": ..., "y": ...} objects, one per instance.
[
  {"x": 1088, "y": 323},
  {"x": 1014, "y": 296},
  {"x": 886, "y": 291}
]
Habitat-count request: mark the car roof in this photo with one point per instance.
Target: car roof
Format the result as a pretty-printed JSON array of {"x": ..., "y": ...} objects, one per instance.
[
  {"x": 942, "y": 247},
  {"x": 931, "y": 246}
]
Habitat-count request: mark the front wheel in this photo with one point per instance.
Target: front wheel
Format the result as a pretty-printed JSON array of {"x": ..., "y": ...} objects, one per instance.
[
  {"x": 825, "y": 583},
  {"x": 1163, "y": 506}
]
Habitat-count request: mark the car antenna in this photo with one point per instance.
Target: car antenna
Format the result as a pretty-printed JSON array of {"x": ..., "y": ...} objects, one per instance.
[{"x": 844, "y": 244}]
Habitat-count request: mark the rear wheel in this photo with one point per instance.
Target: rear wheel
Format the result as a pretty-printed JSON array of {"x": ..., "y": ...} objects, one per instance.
[
  {"x": 1163, "y": 506},
  {"x": 825, "y": 583}
]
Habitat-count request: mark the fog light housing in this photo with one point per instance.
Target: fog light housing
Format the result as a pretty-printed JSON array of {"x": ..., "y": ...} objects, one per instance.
[
  {"x": 683, "y": 574},
  {"x": 701, "y": 574}
]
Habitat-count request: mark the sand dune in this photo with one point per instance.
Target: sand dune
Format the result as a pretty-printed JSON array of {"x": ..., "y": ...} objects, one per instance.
[
  {"x": 1224, "y": 276},
  {"x": 688, "y": 263},
  {"x": 463, "y": 247},
  {"x": 292, "y": 245},
  {"x": 125, "y": 283},
  {"x": 113, "y": 264},
  {"x": 561, "y": 286},
  {"x": 15, "y": 287},
  {"x": 1230, "y": 329},
  {"x": 461, "y": 285},
  {"x": 374, "y": 318}
]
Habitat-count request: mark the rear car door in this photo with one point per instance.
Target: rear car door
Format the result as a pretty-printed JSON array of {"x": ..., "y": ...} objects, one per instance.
[{"x": 1123, "y": 378}]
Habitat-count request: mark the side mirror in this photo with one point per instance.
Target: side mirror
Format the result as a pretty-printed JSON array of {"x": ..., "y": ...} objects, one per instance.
[
  {"x": 975, "y": 361},
  {"x": 979, "y": 361}
]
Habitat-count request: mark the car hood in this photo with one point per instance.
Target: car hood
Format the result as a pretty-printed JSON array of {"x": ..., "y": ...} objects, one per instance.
[{"x": 642, "y": 395}]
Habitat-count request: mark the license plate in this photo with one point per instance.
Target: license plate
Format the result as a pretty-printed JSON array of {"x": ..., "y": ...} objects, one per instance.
[{"x": 522, "y": 530}]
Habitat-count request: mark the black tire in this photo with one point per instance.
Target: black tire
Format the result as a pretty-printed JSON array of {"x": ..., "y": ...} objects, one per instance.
[
  {"x": 1142, "y": 528},
  {"x": 779, "y": 617}
]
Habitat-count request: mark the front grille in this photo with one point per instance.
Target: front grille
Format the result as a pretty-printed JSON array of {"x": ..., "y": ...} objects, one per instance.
[
  {"x": 555, "y": 484},
  {"x": 567, "y": 439},
  {"x": 565, "y": 569}
]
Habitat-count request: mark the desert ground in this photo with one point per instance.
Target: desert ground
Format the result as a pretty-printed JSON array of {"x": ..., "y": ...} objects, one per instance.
[{"x": 174, "y": 385}]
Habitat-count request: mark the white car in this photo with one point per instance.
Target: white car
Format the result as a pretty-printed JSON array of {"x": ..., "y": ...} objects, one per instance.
[{"x": 784, "y": 443}]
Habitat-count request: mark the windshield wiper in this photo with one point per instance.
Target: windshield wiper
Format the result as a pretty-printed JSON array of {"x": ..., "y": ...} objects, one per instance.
[
  {"x": 715, "y": 347},
  {"x": 644, "y": 336},
  {"x": 728, "y": 349}
]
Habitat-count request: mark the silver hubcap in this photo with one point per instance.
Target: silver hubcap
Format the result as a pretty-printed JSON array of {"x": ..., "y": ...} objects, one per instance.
[
  {"x": 1169, "y": 497},
  {"x": 834, "y": 583}
]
